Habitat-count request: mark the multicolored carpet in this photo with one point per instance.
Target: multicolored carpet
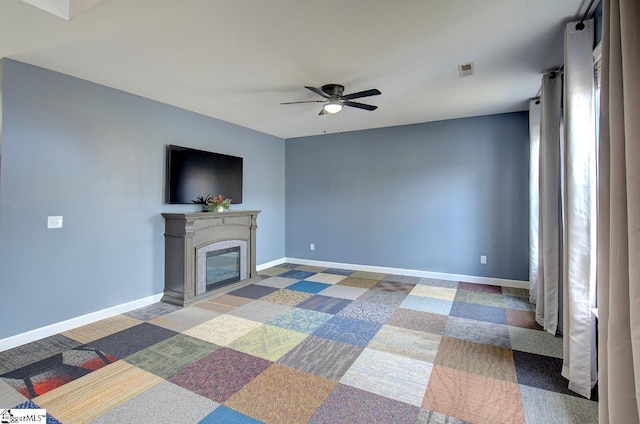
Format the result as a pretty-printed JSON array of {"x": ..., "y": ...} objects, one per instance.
[{"x": 306, "y": 345}]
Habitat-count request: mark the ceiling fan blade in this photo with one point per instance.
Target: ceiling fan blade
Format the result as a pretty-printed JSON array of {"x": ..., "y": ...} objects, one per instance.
[
  {"x": 305, "y": 101},
  {"x": 322, "y": 112},
  {"x": 366, "y": 93},
  {"x": 318, "y": 91},
  {"x": 360, "y": 105}
]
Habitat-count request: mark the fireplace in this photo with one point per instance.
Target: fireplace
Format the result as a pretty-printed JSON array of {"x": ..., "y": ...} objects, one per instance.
[{"x": 208, "y": 253}]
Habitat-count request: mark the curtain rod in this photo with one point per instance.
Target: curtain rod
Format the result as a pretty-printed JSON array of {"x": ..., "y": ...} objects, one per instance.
[{"x": 580, "y": 25}]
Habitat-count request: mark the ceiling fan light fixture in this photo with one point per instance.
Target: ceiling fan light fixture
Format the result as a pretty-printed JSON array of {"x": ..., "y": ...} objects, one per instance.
[{"x": 333, "y": 106}]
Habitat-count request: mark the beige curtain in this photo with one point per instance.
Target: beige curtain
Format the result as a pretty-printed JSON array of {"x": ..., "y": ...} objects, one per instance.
[{"x": 619, "y": 215}]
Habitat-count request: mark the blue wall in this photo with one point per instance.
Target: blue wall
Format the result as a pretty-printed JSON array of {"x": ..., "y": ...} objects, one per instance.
[
  {"x": 431, "y": 197},
  {"x": 96, "y": 156}
]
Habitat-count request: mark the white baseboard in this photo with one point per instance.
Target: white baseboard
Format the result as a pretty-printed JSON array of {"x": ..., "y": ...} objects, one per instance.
[
  {"x": 270, "y": 264},
  {"x": 414, "y": 273},
  {"x": 60, "y": 327}
]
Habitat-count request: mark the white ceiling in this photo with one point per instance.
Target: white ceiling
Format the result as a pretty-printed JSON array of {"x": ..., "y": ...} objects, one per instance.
[{"x": 238, "y": 60}]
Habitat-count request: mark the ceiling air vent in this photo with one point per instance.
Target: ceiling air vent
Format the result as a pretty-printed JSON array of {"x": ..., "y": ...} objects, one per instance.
[{"x": 466, "y": 70}]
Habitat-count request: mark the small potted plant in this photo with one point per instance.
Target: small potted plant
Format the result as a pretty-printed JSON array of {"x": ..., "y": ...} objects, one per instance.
[{"x": 217, "y": 203}]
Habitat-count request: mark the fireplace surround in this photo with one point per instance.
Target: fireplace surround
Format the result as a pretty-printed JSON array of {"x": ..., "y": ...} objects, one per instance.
[{"x": 207, "y": 253}]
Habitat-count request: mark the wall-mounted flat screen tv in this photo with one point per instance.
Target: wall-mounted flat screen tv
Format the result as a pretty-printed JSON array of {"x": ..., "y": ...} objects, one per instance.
[{"x": 192, "y": 173}]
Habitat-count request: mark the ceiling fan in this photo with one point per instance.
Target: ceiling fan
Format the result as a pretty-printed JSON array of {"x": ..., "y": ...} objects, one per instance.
[{"x": 334, "y": 100}]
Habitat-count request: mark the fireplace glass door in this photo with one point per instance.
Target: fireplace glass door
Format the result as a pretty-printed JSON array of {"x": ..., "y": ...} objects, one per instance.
[{"x": 223, "y": 267}]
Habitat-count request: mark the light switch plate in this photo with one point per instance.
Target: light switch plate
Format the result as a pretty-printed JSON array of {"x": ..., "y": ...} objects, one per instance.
[{"x": 54, "y": 222}]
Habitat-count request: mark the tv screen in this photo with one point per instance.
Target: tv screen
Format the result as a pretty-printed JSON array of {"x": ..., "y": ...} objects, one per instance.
[{"x": 192, "y": 173}]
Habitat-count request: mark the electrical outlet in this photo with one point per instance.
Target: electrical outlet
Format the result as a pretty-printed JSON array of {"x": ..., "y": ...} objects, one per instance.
[
  {"x": 54, "y": 222},
  {"x": 483, "y": 260},
  {"x": 312, "y": 246}
]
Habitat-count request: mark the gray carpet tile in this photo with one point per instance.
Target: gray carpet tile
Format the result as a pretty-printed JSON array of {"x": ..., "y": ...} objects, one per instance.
[
  {"x": 514, "y": 302},
  {"x": 438, "y": 283},
  {"x": 152, "y": 311},
  {"x": 402, "y": 279},
  {"x": 322, "y": 357},
  {"x": 260, "y": 311},
  {"x": 33, "y": 352},
  {"x": 544, "y": 407},
  {"x": 277, "y": 282},
  {"x": 383, "y": 297},
  {"x": 430, "y": 417},
  {"x": 344, "y": 292},
  {"x": 535, "y": 341},
  {"x": 478, "y": 331},
  {"x": 163, "y": 403}
]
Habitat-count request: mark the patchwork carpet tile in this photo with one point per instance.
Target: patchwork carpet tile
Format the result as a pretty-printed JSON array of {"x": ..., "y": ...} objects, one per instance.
[
  {"x": 535, "y": 341},
  {"x": 479, "y": 312},
  {"x": 287, "y": 297},
  {"x": 417, "y": 320},
  {"x": 344, "y": 292},
  {"x": 301, "y": 320},
  {"x": 220, "y": 374},
  {"x": 542, "y": 406},
  {"x": 223, "y": 330},
  {"x": 438, "y": 283},
  {"x": 184, "y": 319},
  {"x": 472, "y": 397},
  {"x": 427, "y": 304},
  {"x": 366, "y": 311},
  {"x": 478, "y": 331},
  {"x": 97, "y": 330},
  {"x": 402, "y": 279},
  {"x": 276, "y": 270},
  {"x": 224, "y": 415},
  {"x": 386, "y": 374},
  {"x": 35, "y": 351},
  {"x": 215, "y": 307},
  {"x": 171, "y": 355},
  {"x": 541, "y": 371},
  {"x": 310, "y": 268},
  {"x": 131, "y": 340},
  {"x": 326, "y": 304},
  {"x": 370, "y": 275},
  {"x": 515, "y": 292},
  {"x": 402, "y": 341},
  {"x": 264, "y": 399},
  {"x": 523, "y": 319},
  {"x": 9, "y": 397},
  {"x": 490, "y": 361},
  {"x": 297, "y": 274},
  {"x": 230, "y": 300},
  {"x": 348, "y": 330},
  {"x": 163, "y": 403},
  {"x": 308, "y": 287},
  {"x": 260, "y": 311},
  {"x": 364, "y": 283},
  {"x": 482, "y": 298},
  {"x": 152, "y": 311},
  {"x": 277, "y": 282},
  {"x": 338, "y": 271},
  {"x": 435, "y": 292},
  {"x": 394, "y": 286},
  {"x": 485, "y": 288},
  {"x": 325, "y": 358},
  {"x": 430, "y": 417},
  {"x": 521, "y": 303},
  {"x": 326, "y": 278},
  {"x": 253, "y": 291},
  {"x": 351, "y": 405},
  {"x": 88, "y": 397},
  {"x": 43, "y": 376},
  {"x": 268, "y": 342},
  {"x": 383, "y": 297}
]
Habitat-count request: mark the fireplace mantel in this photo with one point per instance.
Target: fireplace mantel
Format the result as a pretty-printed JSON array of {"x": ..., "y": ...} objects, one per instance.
[{"x": 185, "y": 233}]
